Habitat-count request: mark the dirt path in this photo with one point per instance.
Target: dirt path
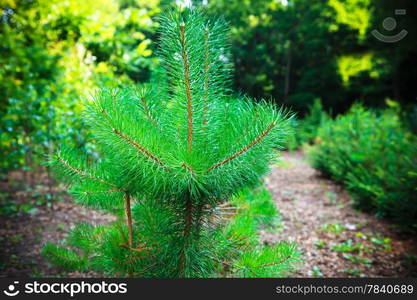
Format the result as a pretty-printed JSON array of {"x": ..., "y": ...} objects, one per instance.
[
  {"x": 23, "y": 236},
  {"x": 336, "y": 240}
]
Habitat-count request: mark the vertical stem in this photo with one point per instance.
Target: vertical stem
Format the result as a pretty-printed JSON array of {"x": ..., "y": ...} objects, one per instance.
[
  {"x": 198, "y": 218},
  {"x": 128, "y": 212},
  {"x": 187, "y": 82},
  {"x": 206, "y": 77},
  {"x": 188, "y": 218},
  {"x": 287, "y": 73}
]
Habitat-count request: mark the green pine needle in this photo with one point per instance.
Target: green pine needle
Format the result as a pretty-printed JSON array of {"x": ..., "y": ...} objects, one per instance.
[{"x": 64, "y": 257}]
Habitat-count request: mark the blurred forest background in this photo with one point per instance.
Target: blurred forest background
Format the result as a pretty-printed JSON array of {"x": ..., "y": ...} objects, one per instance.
[
  {"x": 55, "y": 53},
  {"x": 355, "y": 96}
]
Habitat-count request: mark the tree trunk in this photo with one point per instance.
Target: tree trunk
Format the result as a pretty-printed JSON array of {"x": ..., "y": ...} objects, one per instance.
[{"x": 287, "y": 73}]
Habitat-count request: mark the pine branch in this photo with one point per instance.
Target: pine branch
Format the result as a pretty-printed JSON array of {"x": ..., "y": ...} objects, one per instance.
[
  {"x": 188, "y": 168},
  {"x": 244, "y": 149},
  {"x": 187, "y": 82},
  {"x": 122, "y": 234},
  {"x": 247, "y": 129},
  {"x": 141, "y": 95},
  {"x": 141, "y": 247},
  {"x": 276, "y": 262},
  {"x": 250, "y": 270},
  {"x": 128, "y": 212},
  {"x": 144, "y": 270},
  {"x": 145, "y": 152},
  {"x": 148, "y": 112},
  {"x": 82, "y": 173},
  {"x": 64, "y": 257},
  {"x": 102, "y": 192},
  {"x": 129, "y": 261}
]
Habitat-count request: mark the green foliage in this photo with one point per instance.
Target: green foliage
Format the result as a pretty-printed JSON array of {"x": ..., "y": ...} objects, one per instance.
[
  {"x": 316, "y": 272},
  {"x": 273, "y": 261},
  {"x": 306, "y": 129},
  {"x": 55, "y": 53},
  {"x": 376, "y": 158},
  {"x": 255, "y": 210},
  {"x": 320, "y": 244},
  {"x": 355, "y": 14},
  {"x": 321, "y": 49},
  {"x": 335, "y": 228},
  {"x": 349, "y": 246},
  {"x": 63, "y": 257},
  {"x": 258, "y": 205},
  {"x": 10, "y": 205},
  {"x": 353, "y": 272},
  {"x": 171, "y": 152},
  {"x": 296, "y": 64},
  {"x": 385, "y": 243},
  {"x": 357, "y": 259}
]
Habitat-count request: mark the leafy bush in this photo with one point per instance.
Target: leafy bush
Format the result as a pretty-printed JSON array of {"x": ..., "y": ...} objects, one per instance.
[
  {"x": 55, "y": 53},
  {"x": 306, "y": 129},
  {"x": 376, "y": 158},
  {"x": 318, "y": 49}
]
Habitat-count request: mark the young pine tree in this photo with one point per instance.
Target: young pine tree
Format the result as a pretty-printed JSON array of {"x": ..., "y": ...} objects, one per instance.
[{"x": 170, "y": 153}]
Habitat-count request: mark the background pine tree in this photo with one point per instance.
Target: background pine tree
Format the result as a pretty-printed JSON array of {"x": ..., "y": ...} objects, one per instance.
[{"x": 170, "y": 153}]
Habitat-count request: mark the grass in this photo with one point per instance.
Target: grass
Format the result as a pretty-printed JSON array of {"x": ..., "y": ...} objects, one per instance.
[
  {"x": 320, "y": 244},
  {"x": 353, "y": 272},
  {"x": 335, "y": 228},
  {"x": 349, "y": 246},
  {"x": 317, "y": 271},
  {"x": 356, "y": 259}
]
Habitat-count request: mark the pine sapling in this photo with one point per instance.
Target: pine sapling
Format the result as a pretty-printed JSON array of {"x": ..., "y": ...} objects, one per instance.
[{"x": 171, "y": 152}]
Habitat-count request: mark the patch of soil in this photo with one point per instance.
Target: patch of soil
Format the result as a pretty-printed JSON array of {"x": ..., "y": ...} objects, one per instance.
[
  {"x": 335, "y": 239},
  {"x": 22, "y": 235}
]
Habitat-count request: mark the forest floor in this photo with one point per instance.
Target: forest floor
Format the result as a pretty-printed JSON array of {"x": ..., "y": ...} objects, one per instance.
[
  {"x": 33, "y": 221},
  {"x": 335, "y": 239},
  {"x": 317, "y": 214}
]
